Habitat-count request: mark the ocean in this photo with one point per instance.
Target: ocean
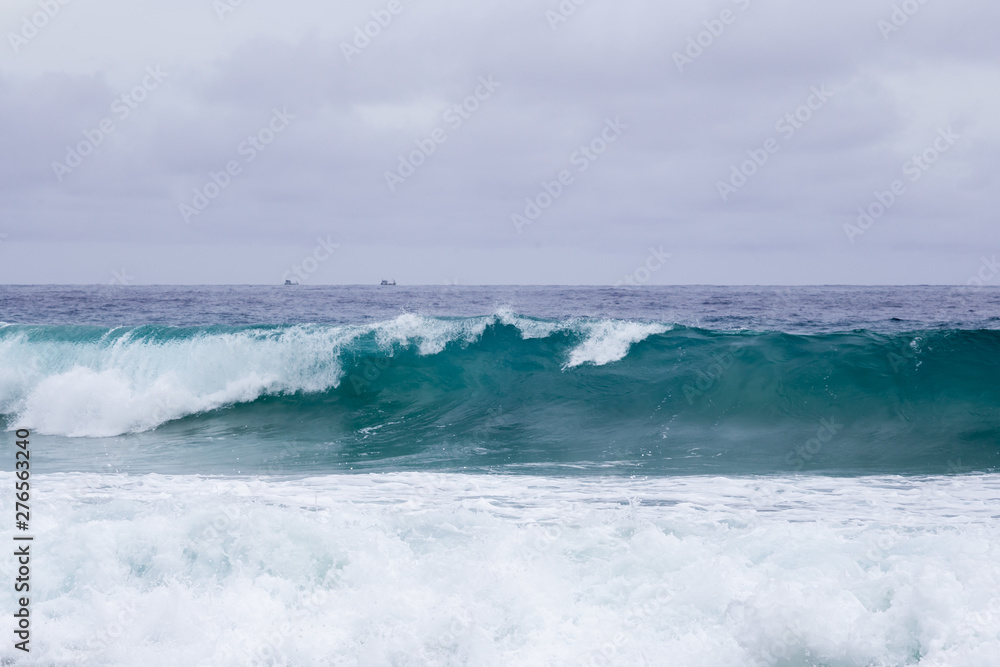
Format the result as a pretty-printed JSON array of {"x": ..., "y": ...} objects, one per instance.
[{"x": 452, "y": 475}]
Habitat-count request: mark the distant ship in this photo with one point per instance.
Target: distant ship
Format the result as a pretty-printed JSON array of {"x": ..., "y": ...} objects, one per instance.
[
  {"x": 291, "y": 282},
  {"x": 388, "y": 282}
]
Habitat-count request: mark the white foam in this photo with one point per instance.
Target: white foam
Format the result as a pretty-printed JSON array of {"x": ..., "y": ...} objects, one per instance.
[
  {"x": 527, "y": 327},
  {"x": 490, "y": 570},
  {"x": 430, "y": 334},
  {"x": 610, "y": 340},
  {"x": 132, "y": 384}
]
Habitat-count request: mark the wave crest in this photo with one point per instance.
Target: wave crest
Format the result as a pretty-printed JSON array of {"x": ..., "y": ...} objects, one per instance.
[{"x": 85, "y": 381}]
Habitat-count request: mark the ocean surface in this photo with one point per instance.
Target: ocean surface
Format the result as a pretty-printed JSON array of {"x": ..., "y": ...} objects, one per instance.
[{"x": 455, "y": 475}]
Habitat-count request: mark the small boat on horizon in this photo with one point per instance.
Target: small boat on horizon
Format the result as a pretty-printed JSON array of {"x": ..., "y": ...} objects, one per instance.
[{"x": 388, "y": 282}]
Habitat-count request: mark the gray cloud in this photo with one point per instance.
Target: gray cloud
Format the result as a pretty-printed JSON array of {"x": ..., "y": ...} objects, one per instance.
[{"x": 656, "y": 185}]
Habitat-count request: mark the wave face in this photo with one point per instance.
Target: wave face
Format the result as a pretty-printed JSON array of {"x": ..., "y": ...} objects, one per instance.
[{"x": 507, "y": 391}]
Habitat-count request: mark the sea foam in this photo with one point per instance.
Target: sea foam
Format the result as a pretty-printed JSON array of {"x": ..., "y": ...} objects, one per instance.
[
  {"x": 135, "y": 381},
  {"x": 421, "y": 568}
]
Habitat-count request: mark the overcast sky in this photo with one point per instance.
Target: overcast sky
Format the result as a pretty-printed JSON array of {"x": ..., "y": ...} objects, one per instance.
[{"x": 622, "y": 122}]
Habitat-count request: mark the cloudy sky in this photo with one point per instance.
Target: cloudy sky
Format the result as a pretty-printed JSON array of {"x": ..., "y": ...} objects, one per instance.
[{"x": 724, "y": 142}]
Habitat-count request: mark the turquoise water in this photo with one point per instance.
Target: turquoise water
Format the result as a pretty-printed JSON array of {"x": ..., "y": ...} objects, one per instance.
[{"x": 503, "y": 392}]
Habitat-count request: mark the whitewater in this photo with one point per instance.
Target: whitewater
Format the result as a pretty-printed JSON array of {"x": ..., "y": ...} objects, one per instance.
[
  {"x": 422, "y": 568},
  {"x": 507, "y": 476}
]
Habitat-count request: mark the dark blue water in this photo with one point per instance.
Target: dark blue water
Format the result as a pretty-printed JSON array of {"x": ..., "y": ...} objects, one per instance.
[{"x": 807, "y": 309}]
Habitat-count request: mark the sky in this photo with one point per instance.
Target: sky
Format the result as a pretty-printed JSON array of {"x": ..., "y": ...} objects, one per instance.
[{"x": 499, "y": 142}]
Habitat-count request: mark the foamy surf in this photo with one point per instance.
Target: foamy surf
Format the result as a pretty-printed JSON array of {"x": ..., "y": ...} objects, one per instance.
[
  {"x": 609, "y": 341},
  {"x": 91, "y": 383},
  {"x": 423, "y": 568}
]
